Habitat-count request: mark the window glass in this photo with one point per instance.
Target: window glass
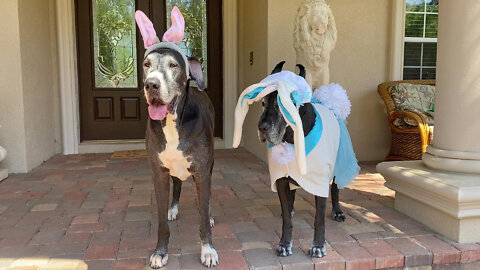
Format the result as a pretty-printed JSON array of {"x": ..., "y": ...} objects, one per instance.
[
  {"x": 415, "y": 5},
  {"x": 413, "y": 54},
  {"x": 420, "y": 39},
  {"x": 411, "y": 73},
  {"x": 429, "y": 54},
  {"x": 432, "y": 6},
  {"x": 414, "y": 25},
  {"x": 431, "y": 25}
]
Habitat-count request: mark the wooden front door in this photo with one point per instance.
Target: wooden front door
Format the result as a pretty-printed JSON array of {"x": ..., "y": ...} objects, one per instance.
[{"x": 110, "y": 53}]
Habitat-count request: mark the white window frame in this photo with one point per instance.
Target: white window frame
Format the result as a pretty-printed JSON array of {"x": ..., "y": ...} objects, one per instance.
[{"x": 398, "y": 40}]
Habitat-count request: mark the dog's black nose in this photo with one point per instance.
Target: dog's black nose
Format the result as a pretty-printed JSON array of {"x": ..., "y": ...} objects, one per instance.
[
  {"x": 263, "y": 126},
  {"x": 152, "y": 84}
]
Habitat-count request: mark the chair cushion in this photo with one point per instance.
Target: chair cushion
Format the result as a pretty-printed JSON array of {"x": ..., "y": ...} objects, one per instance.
[{"x": 413, "y": 97}]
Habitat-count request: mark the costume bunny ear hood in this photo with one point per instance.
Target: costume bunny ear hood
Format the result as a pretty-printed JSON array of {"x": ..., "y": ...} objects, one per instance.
[
  {"x": 292, "y": 89},
  {"x": 171, "y": 38}
]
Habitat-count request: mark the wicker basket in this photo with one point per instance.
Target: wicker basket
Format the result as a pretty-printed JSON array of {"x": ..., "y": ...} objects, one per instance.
[{"x": 409, "y": 143}]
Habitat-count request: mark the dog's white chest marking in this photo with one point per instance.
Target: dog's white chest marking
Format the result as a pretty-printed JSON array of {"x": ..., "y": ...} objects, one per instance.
[{"x": 172, "y": 158}]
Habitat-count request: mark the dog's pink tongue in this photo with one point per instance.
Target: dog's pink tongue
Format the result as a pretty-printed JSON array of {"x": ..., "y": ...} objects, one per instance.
[{"x": 157, "y": 112}]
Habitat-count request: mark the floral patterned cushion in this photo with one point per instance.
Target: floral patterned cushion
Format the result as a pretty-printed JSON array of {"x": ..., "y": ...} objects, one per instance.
[{"x": 413, "y": 97}]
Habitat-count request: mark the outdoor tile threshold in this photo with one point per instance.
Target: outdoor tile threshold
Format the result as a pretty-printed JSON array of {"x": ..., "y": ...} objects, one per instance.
[{"x": 89, "y": 212}]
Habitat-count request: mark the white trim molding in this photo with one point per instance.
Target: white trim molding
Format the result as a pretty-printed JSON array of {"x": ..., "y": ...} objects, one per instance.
[
  {"x": 397, "y": 40},
  {"x": 230, "y": 68},
  {"x": 67, "y": 62}
]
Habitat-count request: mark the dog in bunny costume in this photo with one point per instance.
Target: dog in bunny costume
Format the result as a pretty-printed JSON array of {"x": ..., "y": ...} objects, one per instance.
[
  {"x": 179, "y": 136},
  {"x": 308, "y": 145}
]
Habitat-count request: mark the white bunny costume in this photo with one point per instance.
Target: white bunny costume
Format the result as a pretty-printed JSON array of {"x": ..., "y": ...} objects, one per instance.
[{"x": 317, "y": 155}]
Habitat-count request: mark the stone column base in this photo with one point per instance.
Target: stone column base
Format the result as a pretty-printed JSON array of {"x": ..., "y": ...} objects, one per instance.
[
  {"x": 446, "y": 202},
  {"x": 3, "y": 174}
]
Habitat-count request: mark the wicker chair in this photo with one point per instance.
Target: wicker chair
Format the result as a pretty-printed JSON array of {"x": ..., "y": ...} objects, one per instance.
[{"x": 406, "y": 143}]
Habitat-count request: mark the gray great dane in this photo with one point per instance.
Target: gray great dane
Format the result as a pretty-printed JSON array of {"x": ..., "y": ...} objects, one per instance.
[
  {"x": 179, "y": 145},
  {"x": 179, "y": 136}
]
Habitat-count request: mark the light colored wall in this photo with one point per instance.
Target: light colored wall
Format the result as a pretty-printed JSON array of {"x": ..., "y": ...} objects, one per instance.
[
  {"x": 38, "y": 80},
  {"x": 12, "y": 132},
  {"x": 281, "y": 17},
  {"x": 359, "y": 63},
  {"x": 29, "y": 86},
  {"x": 252, "y": 37}
]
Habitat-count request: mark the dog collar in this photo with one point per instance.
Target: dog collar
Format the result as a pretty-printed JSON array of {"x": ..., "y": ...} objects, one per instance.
[{"x": 171, "y": 46}]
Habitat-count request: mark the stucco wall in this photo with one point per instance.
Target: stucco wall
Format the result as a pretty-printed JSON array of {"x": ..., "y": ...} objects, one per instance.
[
  {"x": 359, "y": 62},
  {"x": 253, "y": 38},
  {"x": 29, "y": 85},
  {"x": 12, "y": 132},
  {"x": 38, "y": 80}
]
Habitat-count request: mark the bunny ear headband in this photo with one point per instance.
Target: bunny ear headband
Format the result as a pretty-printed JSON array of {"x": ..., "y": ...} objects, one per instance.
[
  {"x": 171, "y": 38},
  {"x": 292, "y": 90}
]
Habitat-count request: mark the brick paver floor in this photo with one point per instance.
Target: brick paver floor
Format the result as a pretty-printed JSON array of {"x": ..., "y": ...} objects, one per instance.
[{"x": 81, "y": 211}]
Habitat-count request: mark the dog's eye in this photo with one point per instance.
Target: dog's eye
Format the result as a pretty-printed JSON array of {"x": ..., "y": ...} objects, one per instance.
[
  {"x": 173, "y": 65},
  {"x": 146, "y": 64},
  {"x": 263, "y": 103}
]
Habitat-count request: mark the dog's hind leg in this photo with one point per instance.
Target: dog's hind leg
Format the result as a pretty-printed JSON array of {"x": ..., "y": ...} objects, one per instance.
[
  {"x": 212, "y": 220},
  {"x": 177, "y": 189},
  {"x": 337, "y": 213},
  {"x": 318, "y": 249},
  {"x": 284, "y": 248},
  {"x": 161, "y": 183},
  {"x": 292, "y": 202},
  {"x": 208, "y": 256}
]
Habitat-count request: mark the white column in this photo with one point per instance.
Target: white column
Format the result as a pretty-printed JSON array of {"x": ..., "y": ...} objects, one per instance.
[
  {"x": 443, "y": 190},
  {"x": 456, "y": 144}
]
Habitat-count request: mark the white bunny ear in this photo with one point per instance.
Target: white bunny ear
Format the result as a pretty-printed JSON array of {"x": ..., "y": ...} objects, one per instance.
[
  {"x": 246, "y": 98},
  {"x": 176, "y": 32},
  {"x": 284, "y": 90},
  {"x": 146, "y": 29}
]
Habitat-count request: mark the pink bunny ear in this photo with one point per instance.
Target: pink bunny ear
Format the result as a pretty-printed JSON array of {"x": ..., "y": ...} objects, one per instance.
[
  {"x": 177, "y": 30},
  {"x": 146, "y": 29}
]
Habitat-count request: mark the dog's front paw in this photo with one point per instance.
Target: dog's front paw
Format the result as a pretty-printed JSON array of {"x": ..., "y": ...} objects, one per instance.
[
  {"x": 284, "y": 250},
  {"x": 317, "y": 251},
  {"x": 173, "y": 212},
  {"x": 212, "y": 222},
  {"x": 209, "y": 256},
  {"x": 338, "y": 216},
  {"x": 158, "y": 260}
]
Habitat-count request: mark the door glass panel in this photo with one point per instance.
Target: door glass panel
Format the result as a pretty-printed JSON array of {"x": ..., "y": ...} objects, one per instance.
[
  {"x": 114, "y": 43},
  {"x": 195, "y": 41}
]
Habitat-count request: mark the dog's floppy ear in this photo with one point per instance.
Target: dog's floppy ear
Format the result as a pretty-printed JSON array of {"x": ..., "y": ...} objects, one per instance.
[
  {"x": 196, "y": 72},
  {"x": 146, "y": 29},
  {"x": 176, "y": 32}
]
